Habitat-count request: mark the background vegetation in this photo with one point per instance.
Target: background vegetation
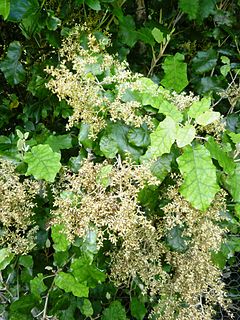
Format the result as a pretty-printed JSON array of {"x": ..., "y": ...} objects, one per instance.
[{"x": 119, "y": 184}]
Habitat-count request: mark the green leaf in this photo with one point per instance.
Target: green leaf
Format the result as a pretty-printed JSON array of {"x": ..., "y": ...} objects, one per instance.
[
  {"x": 103, "y": 176},
  {"x": 127, "y": 31},
  {"x": 139, "y": 137},
  {"x": 4, "y": 8},
  {"x": 59, "y": 142},
  {"x": 60, "y": 240},
  {"x": 189, "y": 7},
  {"x": 93, "y": 4},
  {"x": 86, "y": 308},
  {"x": 83, "y": 137},
  {"x": 206, "y": 7},
  {"x": 232, "y": 183},
  {"x": 137, "y": 308},
  {"x": 169, "y": 109},
  {"x": 199, "y": 186},
  {"x": 162, "y": 166},
  {"x": 68, "y": 283},
  {"x": 204, "y": 61},
  {"x": 11, "y": 67},
  {"x": 5, "y": 258},
  {"x": 218, "y": 154},
  {"x": 175, "y": 73},
  {"x": 37, "y": 285},
  {"x": 185, "y": 135},
  {"x": 158, "y": 35},
  {"x": 163, "y": 137},
  {"x": 207, "y": 117},
  {"x": 145, "y": 35},
  {"x": 85, "y": 272},
  {"x": 20, "y": 9},
  {"x": 23, "y": 305},
  {"x": 108, "y": 146},
  {"x": 114, "y": 312},
  {"x": 42, "y": 162},
  {"x": 26, "y": 261},
  {"x": 235, "y": 137},
  {"x": 199, "y": 107},
  {"x": 52, "y": 22},
  {"x": 175, "y": 240},
  {"x": 116, "y": 134}
]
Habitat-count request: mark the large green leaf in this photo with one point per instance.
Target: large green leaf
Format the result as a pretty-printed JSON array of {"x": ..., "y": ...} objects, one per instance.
[
  {"x": 59, "y": 142},
  {"x": 206, "y": 7},
  {"x": 175, "y": 73},
  {"x": 163, "y": 137},
  {"x": 199, "y": 107},
  {"x": 189, "y": 7},
  {"x": 11, "y": 67},
  {"x": 232, "y": 183},
  {"x": 20, "y": 9},
  {"x": 42, "y": 162},
  {"x": 68, "y": 283},
  {"x": 4, "y": 8},
  {"x": 207, "y": 117},
  {"x": 199, "y": 186},
  {"x": 127, "y": 31},
  {"x": 169, "y": 109},
  {"x": 185, "y": 135},
  {"x": 114, "y": 312},
  {"x": 162, "y": 166},
  {"x": 217, "y": 153},
  {"x": 137, "y": 308}
]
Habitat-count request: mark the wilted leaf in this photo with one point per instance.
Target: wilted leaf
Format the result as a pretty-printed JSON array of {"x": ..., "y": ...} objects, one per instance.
[
  {"x": 199, "y": 186},
  {"x": 175, "y": 73},
  {"x": 42, "y": 162},
  {"x": 11, "y": 67}
]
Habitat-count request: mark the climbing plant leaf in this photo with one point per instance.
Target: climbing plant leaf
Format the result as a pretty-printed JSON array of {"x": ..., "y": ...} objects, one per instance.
[
  {"x": 175, "y": 73},
  {"x": 232, "y": 183},
  {"x": 42, "y": 162},
  {"x": 185, "y": 135},
  {"x": 163, "y": 137},
  {"x": 199, "y": 186}
]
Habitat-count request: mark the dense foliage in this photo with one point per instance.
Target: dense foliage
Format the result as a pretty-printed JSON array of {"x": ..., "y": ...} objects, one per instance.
[{"x": 119, "y": 159}]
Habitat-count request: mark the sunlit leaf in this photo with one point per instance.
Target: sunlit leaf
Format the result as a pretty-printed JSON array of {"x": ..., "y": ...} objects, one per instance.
[
  {"x": 163, "y": 137},
  {"x": 185, "y": 135},
  {"x": 199, "y": 186},
  {"x": 42, "y": 162},
  {"x": 207, "y": 117},
  {"x": 199, "y": 107},
  {"x": 5, "y": 257},
  {"x": 68, "y": 283}
]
